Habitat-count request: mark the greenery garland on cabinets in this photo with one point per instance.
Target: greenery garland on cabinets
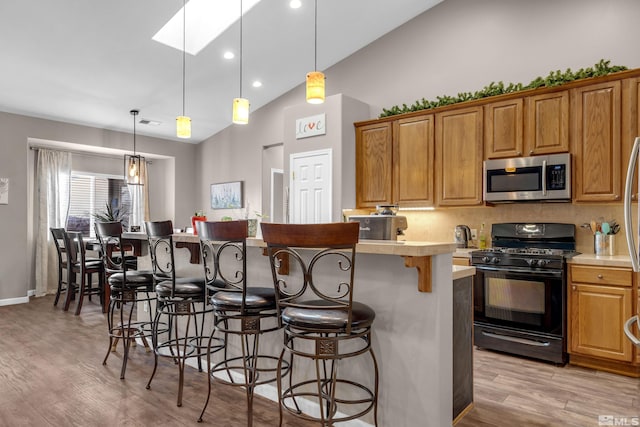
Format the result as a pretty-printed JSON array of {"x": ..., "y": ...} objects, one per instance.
[{"x": 555, "y": 78}]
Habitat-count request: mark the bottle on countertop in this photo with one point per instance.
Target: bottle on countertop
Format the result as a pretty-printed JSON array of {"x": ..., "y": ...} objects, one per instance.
[{"x": 482, "y": 238}]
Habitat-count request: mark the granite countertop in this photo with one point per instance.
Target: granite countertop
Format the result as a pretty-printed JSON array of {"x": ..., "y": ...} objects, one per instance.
[
  {"x": 461, "y": 271},
  {"x": 382, "y": 247},
  {"x": 603, "y": 260},
  {"x": 464, "y": 252}
]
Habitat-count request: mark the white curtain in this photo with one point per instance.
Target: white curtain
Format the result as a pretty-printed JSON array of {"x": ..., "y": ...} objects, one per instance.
[{"x": 53, "y": 177}]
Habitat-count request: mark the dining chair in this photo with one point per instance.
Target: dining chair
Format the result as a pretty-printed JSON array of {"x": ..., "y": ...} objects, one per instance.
[
  {"x": 58, "y": 239},
  {"x": 81, "y": 268},
  {"x": 322, "y": 322}
]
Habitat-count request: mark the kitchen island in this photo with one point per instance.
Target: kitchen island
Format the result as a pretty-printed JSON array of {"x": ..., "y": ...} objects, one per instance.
[{"x": 412, "y": 332}]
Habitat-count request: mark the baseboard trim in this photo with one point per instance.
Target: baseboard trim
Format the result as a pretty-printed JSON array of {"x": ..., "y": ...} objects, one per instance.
[{"x": 13, "y": 301}]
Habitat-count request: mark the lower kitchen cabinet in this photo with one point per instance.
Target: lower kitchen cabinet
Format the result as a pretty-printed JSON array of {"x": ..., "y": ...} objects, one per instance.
[{"x": 601, "y": 299}]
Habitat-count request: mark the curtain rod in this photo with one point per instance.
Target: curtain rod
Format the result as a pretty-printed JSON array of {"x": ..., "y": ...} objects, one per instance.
[{"x": 82, "y": 153}]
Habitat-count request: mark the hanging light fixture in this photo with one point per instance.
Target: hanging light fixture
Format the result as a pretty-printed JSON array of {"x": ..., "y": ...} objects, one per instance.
[
  {"x": 183, "y": 123},
  {"x": 240, "y": 105},
  {"x": 315, "y": 79},
  {"x": 132, "y": 163}
]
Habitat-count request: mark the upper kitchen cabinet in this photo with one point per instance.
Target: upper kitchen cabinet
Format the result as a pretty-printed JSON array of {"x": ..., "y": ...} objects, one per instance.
[
  {"x": 503, "y": 129},
  {"x": 459, "y": 157},
  {"x": 547, "y": 123},
  {"x": 527, "y": 126},
  {"x": 595, "y": 142},
  {"x": 413, "y": 153},
  {"x": 630, "y": 125},
  {"x": 374, "y": 164}
]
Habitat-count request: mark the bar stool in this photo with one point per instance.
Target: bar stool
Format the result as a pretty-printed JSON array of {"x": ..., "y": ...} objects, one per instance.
[
  {"x": 128, "y": 288},
  {"x": 182, "y": 302},
  {"x": 243, "y": 311},
  {"x": 321, "y": 321},
  {"x": 79, "y": 266}
]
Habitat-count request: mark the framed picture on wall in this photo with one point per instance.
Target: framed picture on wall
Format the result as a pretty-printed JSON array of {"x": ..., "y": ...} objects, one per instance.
[{"x": 226, "y": 195}]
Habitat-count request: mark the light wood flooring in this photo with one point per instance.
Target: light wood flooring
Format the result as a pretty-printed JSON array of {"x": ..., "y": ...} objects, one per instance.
[{"x": 51, "y": 375}]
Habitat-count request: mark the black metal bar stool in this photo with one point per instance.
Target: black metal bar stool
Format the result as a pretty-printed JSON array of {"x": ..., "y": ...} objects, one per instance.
[
  {"x": 178, "y": 332},
  {"x": 321, "y": 321},
  {"x": 128, "y": 288},
  {"x": 243, "y": 311}
]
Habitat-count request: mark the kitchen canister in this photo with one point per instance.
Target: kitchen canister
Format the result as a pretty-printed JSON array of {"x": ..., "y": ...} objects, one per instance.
[{"x": 604, "y": 244}]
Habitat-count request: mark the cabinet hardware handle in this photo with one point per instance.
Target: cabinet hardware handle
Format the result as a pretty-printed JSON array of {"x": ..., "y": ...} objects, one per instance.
[
  {"x": 574, "y": 287},
  {"x": 616, "y": 197},
  {"x": 531, "y": 152},
  {"x": 518, "y": 153},
  {"x": 599, "y": 276}
]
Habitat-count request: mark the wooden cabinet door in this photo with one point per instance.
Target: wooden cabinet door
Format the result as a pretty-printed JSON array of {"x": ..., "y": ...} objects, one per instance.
[
  {"x": 413, "y": 155},
  {"x": 374, "y": 164},
  {"x": 596, "y": 142},
  {"x": 459, "y": 157},
  {"x": 503, "y": 129},
  {"x": 547, "y": 123},
  {"x": 630, "y": 125},
  {"x": 597, "y": 317}
]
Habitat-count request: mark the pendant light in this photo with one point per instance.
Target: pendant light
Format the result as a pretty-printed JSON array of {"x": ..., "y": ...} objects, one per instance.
[
  {"x": 240, "y": 105},
  {"x": 132, "y": 163},
  {"x": 315, "y": 79},
  {"x": 183, "y": 123}
]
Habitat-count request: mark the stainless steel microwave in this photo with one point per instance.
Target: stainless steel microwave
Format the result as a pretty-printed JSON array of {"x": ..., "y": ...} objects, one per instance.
[{"x": 528, "y": 179}]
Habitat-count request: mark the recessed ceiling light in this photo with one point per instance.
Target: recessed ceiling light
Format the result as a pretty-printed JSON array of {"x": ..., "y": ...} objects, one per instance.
[
  {"x": 295, "y": 4},
  {"x": 257, "y": 83},
  {"x": 229, "y": 55},
  {"x": 210, "y": 18}
]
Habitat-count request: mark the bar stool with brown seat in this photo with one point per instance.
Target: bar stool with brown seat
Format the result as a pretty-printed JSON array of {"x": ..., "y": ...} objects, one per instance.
[
  {"x": 178, "y": 332},
  {"x": 322, "y": 322},
  {"x": 83, "y": 268},
  {"x": 128, "y": 288},
  {"x": 241, "y": 311}
]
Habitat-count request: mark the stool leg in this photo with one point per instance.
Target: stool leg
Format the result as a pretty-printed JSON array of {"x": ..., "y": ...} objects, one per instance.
[
  {"x": 376, "y": 379},
  {"x": 110, "y": 314},
  {"x": 154, "y": 343}
]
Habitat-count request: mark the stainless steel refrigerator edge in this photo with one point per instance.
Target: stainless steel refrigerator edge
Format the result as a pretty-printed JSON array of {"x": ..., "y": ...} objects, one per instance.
[{"x": 628, "y": 225}]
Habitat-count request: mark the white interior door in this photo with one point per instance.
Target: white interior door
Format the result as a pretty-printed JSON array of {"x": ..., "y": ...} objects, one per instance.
[{"x": 310, "y": 184}]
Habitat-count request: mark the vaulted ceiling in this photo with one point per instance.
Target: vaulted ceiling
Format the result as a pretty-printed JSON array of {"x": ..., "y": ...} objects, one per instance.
[{"x": 89, "y": 62}]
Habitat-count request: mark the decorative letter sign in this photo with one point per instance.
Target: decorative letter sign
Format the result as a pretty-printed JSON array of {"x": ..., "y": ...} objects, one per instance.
[{"x": 311, "y": 126}]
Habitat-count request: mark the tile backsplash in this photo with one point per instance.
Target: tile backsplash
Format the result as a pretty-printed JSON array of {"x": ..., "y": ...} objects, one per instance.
[{"x": 438, "y": 225}]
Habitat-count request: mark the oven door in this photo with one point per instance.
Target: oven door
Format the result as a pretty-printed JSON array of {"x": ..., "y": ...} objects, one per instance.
[{"x": 520, "y": 298}]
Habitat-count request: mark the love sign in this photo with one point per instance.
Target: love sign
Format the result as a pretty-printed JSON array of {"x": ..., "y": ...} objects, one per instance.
[{"x": 311, "y": 126}]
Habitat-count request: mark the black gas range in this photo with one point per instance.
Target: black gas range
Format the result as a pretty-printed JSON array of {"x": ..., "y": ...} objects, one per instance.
[{"x": 520, "y": 289}]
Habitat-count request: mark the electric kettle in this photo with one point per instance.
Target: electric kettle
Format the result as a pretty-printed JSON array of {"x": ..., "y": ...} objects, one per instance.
[{"x": 462, "y": 236}]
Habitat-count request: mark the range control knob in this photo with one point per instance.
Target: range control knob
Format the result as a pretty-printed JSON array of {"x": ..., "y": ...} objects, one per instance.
[
  {"x": 531, "y": 262},
  {"x": 542, "y": 262},
  {"x": 495, "y": 260},
  {"x": 485, "y": 259}
]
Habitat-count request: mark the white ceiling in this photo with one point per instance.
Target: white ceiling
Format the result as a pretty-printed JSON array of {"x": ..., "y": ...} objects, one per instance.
[{"x": 89, "y": 62}]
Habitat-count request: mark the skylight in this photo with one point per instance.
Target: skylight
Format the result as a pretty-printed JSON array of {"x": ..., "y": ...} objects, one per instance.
[{"x": 206, "y": 20}]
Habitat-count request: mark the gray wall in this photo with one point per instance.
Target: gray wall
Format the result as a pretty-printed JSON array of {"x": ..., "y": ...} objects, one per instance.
[{"x": 170, "y": 197}]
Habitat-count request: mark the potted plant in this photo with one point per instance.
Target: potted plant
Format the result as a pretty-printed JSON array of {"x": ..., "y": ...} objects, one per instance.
[
  {"x": 197, "y": 216},
  {"x": 112, "y": 215}
]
